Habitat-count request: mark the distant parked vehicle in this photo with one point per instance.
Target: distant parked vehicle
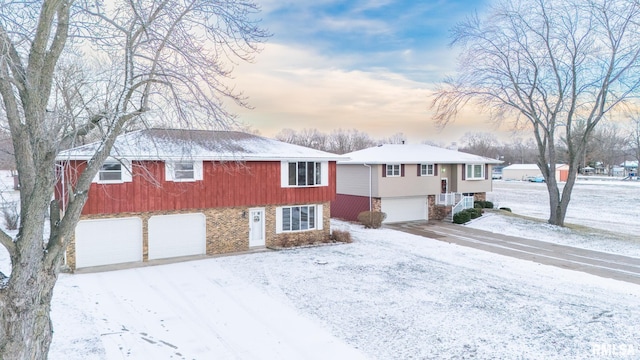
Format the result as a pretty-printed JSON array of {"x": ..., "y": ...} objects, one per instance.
[
  {"x": 496, "y": 174},
  {"x": 537, "y": 179}
]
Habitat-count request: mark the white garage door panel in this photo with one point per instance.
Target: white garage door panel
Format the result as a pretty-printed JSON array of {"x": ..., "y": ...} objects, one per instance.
[
  {"x": 177, "y": 235},
  {"x": 405, "y": 209},
  {"x": 108, "y": 241}
]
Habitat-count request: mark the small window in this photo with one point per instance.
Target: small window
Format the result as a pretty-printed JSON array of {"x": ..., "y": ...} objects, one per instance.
[
  {"x": 393, "y": 170},
  {"x": 299, "y": 218},
  {"x": 183, "y": 171},
  {"x": 110, "y": 172},
  {"x": 426, "y": 170},
  {"x": 475, "y": 172}
]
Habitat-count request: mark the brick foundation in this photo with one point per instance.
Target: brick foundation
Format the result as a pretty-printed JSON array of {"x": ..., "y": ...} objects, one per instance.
[{"x": 227, "y": 229}]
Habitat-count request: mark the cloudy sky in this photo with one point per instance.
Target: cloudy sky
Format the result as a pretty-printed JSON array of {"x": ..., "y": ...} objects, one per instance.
[{"x": 364, "y": 64}]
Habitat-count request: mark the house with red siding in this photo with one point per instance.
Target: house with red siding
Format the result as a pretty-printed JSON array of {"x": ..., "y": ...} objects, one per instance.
[
  {"x": 410, "y": 182},
  {"x": 167, "y": 193}
]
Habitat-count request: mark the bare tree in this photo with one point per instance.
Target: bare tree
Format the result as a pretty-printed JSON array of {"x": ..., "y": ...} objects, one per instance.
[
  {"x": 606, "y": 146},
  {"x": 397, "y": 138},
  {"x": 633, "y": 139},
  {"x": 346, "y": 141},
  {"x": 483, "y": 144},
  {"x": 557, "y": 65},
  {"x": 139, "y": 56}
]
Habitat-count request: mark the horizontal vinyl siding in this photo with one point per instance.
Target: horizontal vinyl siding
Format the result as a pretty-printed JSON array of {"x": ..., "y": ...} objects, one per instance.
[
  {"x": 224, "y": 185},
  {"x": 353, "y": 179}
]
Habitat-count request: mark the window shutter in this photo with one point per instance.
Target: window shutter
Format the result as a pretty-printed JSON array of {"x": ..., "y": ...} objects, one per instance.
[
  {"x": 284, "y": 175},
  {"x": 127, "y": 170},
  {"x": 278, "y": 220},
  {"x": 402, "y": 170},
  {"x": 486, "y": 171},
  {"x": 419, "y": 169},
  {"x": 435, "y": 170},
  {"x": 197, "y": 170},
  {"x": 384, "y": 170},
  {"x": 324, "y": 173},
  {"x": 464, "y": 172},
  {"x": 319, "y": 223},
  {"x": 168, "y": 171}
]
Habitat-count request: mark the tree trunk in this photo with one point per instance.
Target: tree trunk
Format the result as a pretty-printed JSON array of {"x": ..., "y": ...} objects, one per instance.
[{"x": 26, "y": 303}]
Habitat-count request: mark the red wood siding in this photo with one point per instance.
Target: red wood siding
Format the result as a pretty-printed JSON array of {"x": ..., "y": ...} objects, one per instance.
[
  {"x": 347, "y": 207},
  {"x": 223, "y": 185}
]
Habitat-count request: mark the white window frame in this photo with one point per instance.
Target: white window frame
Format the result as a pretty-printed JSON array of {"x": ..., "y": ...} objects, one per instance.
[
  {"x": 171, "y": 167},
  {"x": 427, "y": 169},
  {"x": 470, "y": 171},
  {"x": 290, "y": 211},
  {"x": 125, "y": 172},
  {"x": 320, "y": 179},
  {"x": 393, "y": 170}
]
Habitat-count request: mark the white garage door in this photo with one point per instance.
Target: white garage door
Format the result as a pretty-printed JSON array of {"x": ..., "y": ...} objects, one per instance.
[
  {"x": 405, "y": 208},
  {"x": 177, "y": 235},
  {"x": 108, "y": 241}
]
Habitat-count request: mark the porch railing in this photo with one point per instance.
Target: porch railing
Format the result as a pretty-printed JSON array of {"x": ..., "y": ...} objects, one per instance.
[{"x": 458, "y": 202}]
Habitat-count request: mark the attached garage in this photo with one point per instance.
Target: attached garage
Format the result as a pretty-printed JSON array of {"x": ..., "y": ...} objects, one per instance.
[
  {"x": 405, "y": 208},
  {"x": 177, "y": 235},
  {"x": 108, "y": 241}
]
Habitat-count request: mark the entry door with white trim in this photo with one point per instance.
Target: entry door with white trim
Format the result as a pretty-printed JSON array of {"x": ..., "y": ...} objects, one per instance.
[{"x": 256, "y": 227}]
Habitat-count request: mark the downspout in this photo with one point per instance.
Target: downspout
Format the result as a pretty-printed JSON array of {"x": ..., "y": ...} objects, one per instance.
[{"x": 370, "y": 181}]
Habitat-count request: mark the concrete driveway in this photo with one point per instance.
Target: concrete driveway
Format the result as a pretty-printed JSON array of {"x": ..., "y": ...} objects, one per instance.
[{"x": 607, "y": 265}]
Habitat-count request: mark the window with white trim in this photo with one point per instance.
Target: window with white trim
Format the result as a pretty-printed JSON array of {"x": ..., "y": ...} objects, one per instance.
[
  {"x": 184, "y": 170},
  {"x": 305, "y": 173},
  {"x": 298, "y": 218},
  {"x": 475, "y": 172},
  {"x": 426, "y": 170},
  {"x": 114, "y": 172},
  {"x": 393, "y": 170},
  {"x": 110, "y": 171}
]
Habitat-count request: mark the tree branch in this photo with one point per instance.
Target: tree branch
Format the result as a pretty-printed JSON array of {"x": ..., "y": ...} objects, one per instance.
[{"x": 7, "y": 242}]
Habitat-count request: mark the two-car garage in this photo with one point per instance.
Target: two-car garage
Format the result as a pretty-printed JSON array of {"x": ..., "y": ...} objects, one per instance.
[{"x": 114, "y": 241}]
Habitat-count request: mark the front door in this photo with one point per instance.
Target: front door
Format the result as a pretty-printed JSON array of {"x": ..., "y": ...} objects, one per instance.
[
  {"x": 256, "y": 227},
  {"x": 444, "y": 186}
]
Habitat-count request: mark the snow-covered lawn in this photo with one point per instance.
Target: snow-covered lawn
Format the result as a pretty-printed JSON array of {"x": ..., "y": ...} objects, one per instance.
[
  {"x": 610, "y": 210},
  {"x": 388, "y": 295}
]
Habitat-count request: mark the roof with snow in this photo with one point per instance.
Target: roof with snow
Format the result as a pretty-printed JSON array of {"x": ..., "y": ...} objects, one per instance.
[
  {"x": 521, "y": 167},
  {"x": 175, "y": 144},
  {"x": 413, "y": 154}
]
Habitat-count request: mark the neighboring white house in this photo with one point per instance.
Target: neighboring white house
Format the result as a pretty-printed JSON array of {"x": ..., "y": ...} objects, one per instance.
[
  {"x": 407, "y": 181},
  {"x": 520, "y": 171},
  {"x": 526, "y": 171}
]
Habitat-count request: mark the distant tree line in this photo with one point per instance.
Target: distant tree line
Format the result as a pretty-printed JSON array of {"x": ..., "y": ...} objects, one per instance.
[
  {"x": 339, "y": 141},
  {"x": 607, "y": 147}
]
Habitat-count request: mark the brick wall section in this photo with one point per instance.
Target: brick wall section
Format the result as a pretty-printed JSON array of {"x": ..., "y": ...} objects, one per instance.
[
  {"x": 376, "y": 204},
  {"x": 437, "y": 212},
  {"x": 480, "y": 196},
  {"x": 227, "y": 229}
]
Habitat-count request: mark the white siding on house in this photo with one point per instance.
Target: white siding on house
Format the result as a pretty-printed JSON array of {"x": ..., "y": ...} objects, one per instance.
[{"x": 353, "y": 179}]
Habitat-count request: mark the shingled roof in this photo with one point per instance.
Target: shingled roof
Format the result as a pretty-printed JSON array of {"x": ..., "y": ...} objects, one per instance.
[{"x": 172, "y": 144}]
